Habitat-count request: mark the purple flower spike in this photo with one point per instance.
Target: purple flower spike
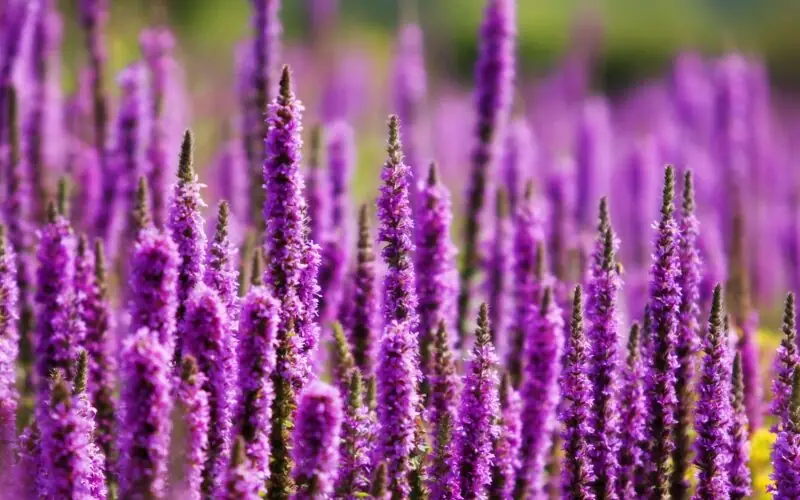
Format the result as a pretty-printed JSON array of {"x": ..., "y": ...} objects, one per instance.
[
  {"x": 186, "y": 226},
  {"x": 498, "y": 269},
  {"x": 396, "y": 373},
  {"x": 539, "y": 392},
  {"x": 739, "y": 468},
  {"x": 221, "y": 273},
  {"x": 444, "y": 482},
  {"x": 354, "y": 457},
  {"x": 601, "y": 311},
  {"x": 688, "y": 338},
  {"x": 785, "y": 363},
  {"x": 316, "y": 437},
  {"x": 95, "y": 312},
  {"x": 786, "y": 453},
  {"x": 363, "y": 318},
  {"x": 94, "y": 20},
  {"x": 241, "y": 482},
  {"x": 592, "y": 158},
  {"x": 443, "y": 386},
  {"x": 665, "y": 299},
  {"x": 435, "y": 261},
  {"x": 58, "y": 329},
  {"x": 508, "y": 444},
  {"x": 210, "y": 341},
  {"x": 146, "y": 408},
  {"x": 316, "y": 192},
  {"x": 257, "y": 343},
  {"x": 396, "y": 231},
  {"x": 634, "y": 415},
  {"x": 494, "y": 75},
  {"x": 713, "y": 414},
  {"x": 9, "y": 340},
  {"x": 292, "y": 260},
  {"x": 66, "y": 446},
  {"x": 518, "y": 161},
  {"x": 194, "y": 401},
  {"x": 153, "y": 285},
  {"x": 478, "y": 414},
  {"x": 577, "y": 474}
]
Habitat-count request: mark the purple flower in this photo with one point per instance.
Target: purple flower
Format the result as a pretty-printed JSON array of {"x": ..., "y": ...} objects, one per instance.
[
  {"x": 665, "y": 299},
  {"x": 209, "y": 340},
  {"x": 257, "y": 343},
  {"x": 241, "y": 481},
  {"x": 363, "y": 318},
  {"x": 494, "y": 75},
  {"x": 186, "y": 226},
  {"x": 397, "y": 373},
  {"x": 713, "y": 414},
  {"x": 739, "y": 468},
  {"x": 435, "y": 261},
  {"x": 518, "y": 161},
  {"x": 409, "y": 89},
  {"x": 94, "y": 309},
  {"x": 528, "y": 263},
  {"x": 601, "y": 311},
  {"x": 316, "y": 437},
  {"x": 83, "y": 407},
  {"x": 9, "y": 339},
  {"x": 153, "y": 285},
  {"x": 633, "y": 419},
  {"x": 592, "y": 157},
  {"x": 66, "y": 446},
  {"x": 508, "y": 443},
  {"x": 146, "y": 408},
  {"x": 577, "y": 474},
  {"x": 786, "y": 453},
  {"x": 342, "y": 364},
  {"x": 29, "y": 472},
  {"x": 688, "y": 338},
  {"x": 354, "y": 457},
  {"x": 157, "y": 45},
  {"x": 292, "y": 260},
  {"x": 316, "y": 192},
  {"x": 221, "y": 273},
  {"x": 539, "y": 392},
  {"x": 445, "y": 483},
  {"x": 194, "y": 401},
  {"x": 478, "y": 414},
  {"x": 497, "y": 268},
  {"x": 785, "y": 363},
  {"x": 396, "y": 231},
  {"x": 94, "y": 19}
]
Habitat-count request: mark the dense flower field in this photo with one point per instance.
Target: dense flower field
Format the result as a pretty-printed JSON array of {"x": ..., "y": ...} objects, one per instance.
[{"x": 591, "y": 331}]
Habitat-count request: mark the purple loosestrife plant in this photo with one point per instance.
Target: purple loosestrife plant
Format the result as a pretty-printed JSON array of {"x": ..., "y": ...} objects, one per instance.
[
  {"x": 785, "y": 363},
  {"x": 739, "y": 468},
  {"x": 83, "y": 407},
  {"x": 258, "y": 326},
  {"x": 527, "y": 261},
  {"x": 9, "y": 340},
  {"x": 508, "y": 443},
  {"x": 145, "y": 425},
  {"x": 665, "y": 298},
  {"x": 194, "y": 400},
  {"x": 291, "y": 258},
  {"x": 478, "y": 414},
  {"x": 577, "y": 474},
  {"x": 688, "y": 338},
  {"x": 210, "y": 341},
  {"x": 240, "y": 482},
  {"x": 444, "y": 482},
  {"x": 435, "y": 263},
  {"x": 266, "y": 39},
  {"x": 94, "y": 19},
  {"x": 498, "y": 269},
  {"x": 601, "y": 311},
  {"x": 157, "y": 45},
  {"x": 633, "y": 419},
  {"x": 518, "y": 157},
  {"x": 539, "y": 393},
  {"x": 316, "y": 437},
  {"x": 354, "y": 459},
  {"x": 186, "y": 226},
  {"x": 342, "y": 364},
  {"x": 396, "y": 373},
  {"x": 713, "y": 414},
  {"x": 316, "y": 192},
  {"x": 494, "y": 75},
  {"x": 396, "y": 231},
  {"x": 221, "y": 273},
  {"x": 786, "y": 453},
  {"x": 592, "y": 157},
  {"x": 363, "y": 318},
  {"x": 29, "y": 472},
  {"x": 95, "y": 311}
]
